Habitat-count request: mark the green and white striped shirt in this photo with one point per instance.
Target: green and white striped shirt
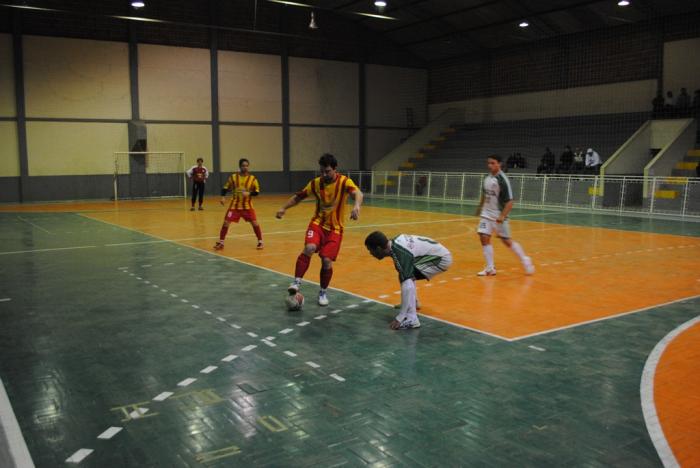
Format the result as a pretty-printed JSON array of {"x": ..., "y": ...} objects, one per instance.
[{"x": 411, "y": 252}]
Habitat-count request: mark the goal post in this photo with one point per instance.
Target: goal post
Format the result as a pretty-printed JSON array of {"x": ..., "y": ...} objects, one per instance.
[{"x": 149, "y": 174}]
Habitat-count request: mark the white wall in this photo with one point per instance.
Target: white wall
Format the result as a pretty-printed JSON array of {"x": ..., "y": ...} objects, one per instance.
[
  {"x": 682, "y": 66},
  {"x": 391, "y": 90},
  {"x": 323, "y": 92},
  {"x": 261, "y": 145},
  {"x": 250, "y": 87},
  {"x": 309, "y": 143},
  {"x": 634, "y": 96},
  {"x": 174, "y": 83}
]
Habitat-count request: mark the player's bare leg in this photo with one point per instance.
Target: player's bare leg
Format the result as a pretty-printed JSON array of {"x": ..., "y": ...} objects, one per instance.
[
  {"x": 518, "y": 250},
  {"x": 325, "y": 279},
  {"x": 222, "y": 235},
  {"x": 303, "y": 261},
  {"x": 258, "y": 233},
  {"x": 487, "y": 249}
]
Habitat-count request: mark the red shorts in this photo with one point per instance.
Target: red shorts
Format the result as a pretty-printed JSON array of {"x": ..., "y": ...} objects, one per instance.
[
  {"x": 233, "y": 215},
  {"x": 327, "y": 242}
]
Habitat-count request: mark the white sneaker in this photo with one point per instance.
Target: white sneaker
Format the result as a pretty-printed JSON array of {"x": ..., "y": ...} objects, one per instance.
[
  {"x": 407, "y": 324},
  {"x": 293, "y": 288},
  {"x": 322, "y": 298},
  {"x": 487, "y": 272},
  {"x": 529, "y": 267}
]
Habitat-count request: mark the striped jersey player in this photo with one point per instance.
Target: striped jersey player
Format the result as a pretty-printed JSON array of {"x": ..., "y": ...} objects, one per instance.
[
  {"x": 244, "y": 186},
  {"x": 325, "y": 231},
  {"x": 415, "y": 258},
  {"x": 494, "y": 207}
]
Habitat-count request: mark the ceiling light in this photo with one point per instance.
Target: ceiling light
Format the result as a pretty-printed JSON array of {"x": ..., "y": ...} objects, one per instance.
[
  {"x": 380, "y": 3},
  {"x": 524, "y": 24},
  {"x": 312, "y": 23},
  {"x": 623, "y": 3},
  {"x": 137, "y": 4}
]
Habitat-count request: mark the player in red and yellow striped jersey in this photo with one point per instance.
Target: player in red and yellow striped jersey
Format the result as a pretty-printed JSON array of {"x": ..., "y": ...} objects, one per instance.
[
  {"x": 245, "y": 186},
  {"x": 325, "y": 231}
]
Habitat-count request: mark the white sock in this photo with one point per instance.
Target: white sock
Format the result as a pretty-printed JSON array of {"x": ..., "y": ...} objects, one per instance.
[
  {"x": 518, "y": 249},
  {"x": 488, "y": 255},
  {"x": 297, "y": 280}
]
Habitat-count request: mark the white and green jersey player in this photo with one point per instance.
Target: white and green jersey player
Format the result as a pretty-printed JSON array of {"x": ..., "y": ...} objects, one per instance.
[
  {"x": 415, "y": 258},
  {"x": 496, "y": 203}
]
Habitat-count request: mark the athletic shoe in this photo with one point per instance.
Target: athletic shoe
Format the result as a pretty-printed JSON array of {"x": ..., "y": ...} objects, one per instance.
[
  {"x": 398, "y": 306},
  {"x": 487, "y": 272},
  {"x": 293, "y": 288},
  {"x": 322, "y": 299},
  {"x": 260, "y": 245},
  {"x": 200, "y": 208},
  {"x": 529, "y": 267},
  {"x": 219, "y": 245},
  {"x": 192, "y": 209},
  {"x": 407, "y": 324}
]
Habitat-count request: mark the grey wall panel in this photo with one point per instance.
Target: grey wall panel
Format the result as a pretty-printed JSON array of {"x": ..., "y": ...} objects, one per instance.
[{"x": 10, "y": 189}]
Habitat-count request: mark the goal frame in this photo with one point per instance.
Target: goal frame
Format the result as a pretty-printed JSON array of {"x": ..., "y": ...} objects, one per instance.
[{"x": 115, "y": 157}]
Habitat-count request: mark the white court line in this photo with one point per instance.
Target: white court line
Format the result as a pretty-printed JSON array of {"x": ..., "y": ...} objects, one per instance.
[
  {"x": 351, "y": 306},
  {"x": 163, "y": 396},
  {"x": 5, "y": 299},
  {"x": 79, "y": 456},
  {"x": 646, "y": 391},
  {"x": 289, "y": 353},
  {"x": 320, "y": 317},
  {"x": 34, "y": 224},
  {"x": 286, "y": 330},
  {"x": 249, "y": 348},
  {"x": 602, "y": 319},
  {"x": 208, "y": 370},
  {"x": 337, "y": 377},
  {"x": 48, "y": 250},
  {"x": 252, "y": 335},
  {"x": 536, "y": 348},
  {"x": 269, "y": 343},
  {"x": 220, "y": 319},
  {"x": 19, "y": 452},
  {"x": 229, "y": 358},
  {"x": 186, "y": 382},
  {"x": 312, "y": 364},
  {"x": 302, "y": 324},
  {"x": 109, "y": 433}
]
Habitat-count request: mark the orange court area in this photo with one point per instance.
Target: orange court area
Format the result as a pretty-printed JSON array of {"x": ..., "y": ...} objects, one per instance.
[
  {"x": 677, "y": 406},
  {"x": 583, "y": 273}
]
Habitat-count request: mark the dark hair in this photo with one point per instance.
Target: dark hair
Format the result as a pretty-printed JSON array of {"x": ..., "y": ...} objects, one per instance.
[
  {"x": 495, "y": 157},
  {"x": 241, "y": 161},
  {"x": 328, "y": 160},
  {"x": 376, "y": 239},
  {"x": 200, "y": 159}
]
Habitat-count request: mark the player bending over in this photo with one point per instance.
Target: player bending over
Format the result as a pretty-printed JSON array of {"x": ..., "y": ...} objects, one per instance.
[
  {"x": 244, "y": 186},
  {"x": 325, "y": 232},
  {"x": 415, "y": 258},
  {"x": 494, "y": 207}
]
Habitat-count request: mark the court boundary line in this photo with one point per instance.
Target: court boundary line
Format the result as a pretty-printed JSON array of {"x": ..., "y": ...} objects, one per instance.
[
  {"x": 19, "y": 453},
  {"x": 602, "y": 319},
  {"x": 646, "y": 392},
  {"x": 214, "y": 254}
]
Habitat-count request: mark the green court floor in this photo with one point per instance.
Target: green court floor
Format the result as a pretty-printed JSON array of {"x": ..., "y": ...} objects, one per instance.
[{"x": 99, "y": 322}]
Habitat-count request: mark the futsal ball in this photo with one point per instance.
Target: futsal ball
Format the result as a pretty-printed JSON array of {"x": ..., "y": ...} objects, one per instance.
[{"x": 295, "y": 301}]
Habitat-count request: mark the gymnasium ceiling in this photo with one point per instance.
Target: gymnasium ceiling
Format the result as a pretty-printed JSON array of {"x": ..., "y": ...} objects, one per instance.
[{"x": 429, "y": 30}]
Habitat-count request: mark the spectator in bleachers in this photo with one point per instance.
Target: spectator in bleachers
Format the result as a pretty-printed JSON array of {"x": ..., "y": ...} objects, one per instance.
[
  {"x": 683, "y": 100},
  {"x": 669, "y": 104},
  {"x": 578, "y": 166},
  {"x": 547, "y": 163},
  {"x": 593, "y": 161},
  {"x": 520, "y": 161},
  {"x": 658, "y": 103},
  {"x": 566, "y": 160},
  {"x": 511, "y": 162}
]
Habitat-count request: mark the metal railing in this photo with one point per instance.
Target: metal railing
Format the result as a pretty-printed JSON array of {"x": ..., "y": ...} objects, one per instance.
[{"x": 612, "y": 194}]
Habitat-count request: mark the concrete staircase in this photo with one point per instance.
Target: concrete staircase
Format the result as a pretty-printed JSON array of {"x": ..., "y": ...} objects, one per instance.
[{"x": 674, "y": 186}]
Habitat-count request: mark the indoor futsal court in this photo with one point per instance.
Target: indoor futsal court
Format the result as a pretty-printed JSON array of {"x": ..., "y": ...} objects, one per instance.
[{"x": 176, "y": 177}]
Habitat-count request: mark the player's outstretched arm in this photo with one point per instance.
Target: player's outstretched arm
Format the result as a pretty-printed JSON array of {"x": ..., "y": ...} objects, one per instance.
[
  {"x": 505, "y": 211},
  {"x": 293, "y": 201},
  {"x": 358, "y": 196}
]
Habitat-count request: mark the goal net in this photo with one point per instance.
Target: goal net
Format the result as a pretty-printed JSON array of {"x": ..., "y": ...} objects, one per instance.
[{"x": 149, "y": 174}]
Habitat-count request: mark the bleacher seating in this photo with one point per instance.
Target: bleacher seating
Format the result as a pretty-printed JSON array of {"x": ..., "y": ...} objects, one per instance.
[{"x": 465, "y": 149}]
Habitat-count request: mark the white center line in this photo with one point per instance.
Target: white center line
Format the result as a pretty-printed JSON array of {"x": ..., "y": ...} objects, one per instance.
[
  {"x": 163, "y": 396},
  {"x": 229, "y": 358},
  {"x": 186, "y": 382},
  {"x": 208, "y": 370}
]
